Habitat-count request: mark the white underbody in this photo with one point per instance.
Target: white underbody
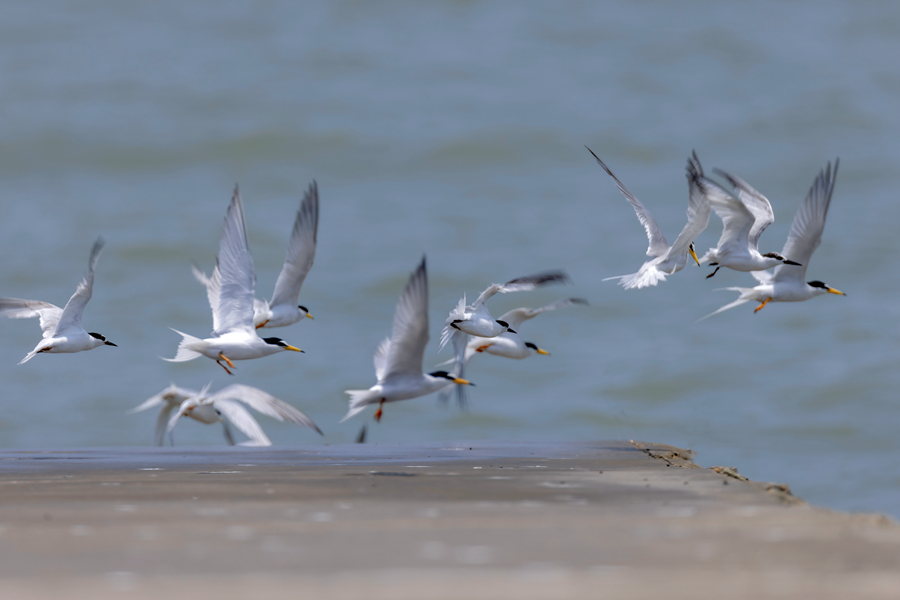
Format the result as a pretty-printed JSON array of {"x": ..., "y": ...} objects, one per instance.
[
  {"x": 507, "y": 344},
  {"x": 740, "y": 259}
]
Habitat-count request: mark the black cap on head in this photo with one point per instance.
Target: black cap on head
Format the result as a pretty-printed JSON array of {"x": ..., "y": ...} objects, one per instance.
[
  {"x": 817, "y": 284},
  {"x": 443, "y": 374},
  {"x": 303, "y": 308},
  {"x": 530, "y": 345}
]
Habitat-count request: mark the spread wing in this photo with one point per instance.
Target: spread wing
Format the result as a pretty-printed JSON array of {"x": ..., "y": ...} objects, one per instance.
[
  {"x": 517, "y": 316},
  {"x": 755, "y": 203},
  {"x": 212, "y": 285},
  {"x": 808, "y": 225},
  {"x": 697, "y": 211},
  {"x": 301, "y": 250},
  {"x": 410, "y": 332},
  {"x": 381, "y": 357},
  {"x": 522, "y": 284},
  {"x": 658, "y": 244},
  {"x": 262, "y": 402},
  {"x": 243, "y": 420},
  {"x": 16, "y": 308},
  {"x": 71, "y": 314},
  {"x": 234, "y": 309}
]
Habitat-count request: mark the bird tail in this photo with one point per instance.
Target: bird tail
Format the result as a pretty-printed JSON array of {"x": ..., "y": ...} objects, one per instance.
[
  {"x": 710, "y": 256},
  {"x": 359, "y": 400},
  {"x": 29, "y": 356},
  {"x": 185, "y": 351},
  {"x": 647, "y": 276},
  {"x": 458, "y": 313},
  {"x": 746, "y": 296}
]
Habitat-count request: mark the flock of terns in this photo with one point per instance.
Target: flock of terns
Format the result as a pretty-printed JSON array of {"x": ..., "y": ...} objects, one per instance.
[{"x": 470, "y": 329}]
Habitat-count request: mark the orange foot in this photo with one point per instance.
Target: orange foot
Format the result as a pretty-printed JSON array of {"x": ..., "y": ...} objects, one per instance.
[
  {"x": 263, "y": 324},
  {"x": 225, "y": 358},
  {"x": 379, "y": 411},
  {"x": 760, "y": 307},
  {"x": 483, "y": 348}
]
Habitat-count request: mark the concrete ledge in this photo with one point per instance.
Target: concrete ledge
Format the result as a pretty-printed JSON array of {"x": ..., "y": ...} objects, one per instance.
[{"x": 471, "y": 520}]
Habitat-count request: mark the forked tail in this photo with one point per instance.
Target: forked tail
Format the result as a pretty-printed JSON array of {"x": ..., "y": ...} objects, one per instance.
[
  {"x": 746, "y": 296},
  {"x": 359, "y": 400},
  {"x": 644, "y": 278},
  {"x": 185, "y": 351}
]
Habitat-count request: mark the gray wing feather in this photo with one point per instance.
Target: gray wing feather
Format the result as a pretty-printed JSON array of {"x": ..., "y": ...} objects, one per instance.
[
  {"x": 16, "y": 308},
  {"x": 71, "y": 314},
  {"x": 301, "y": 250},
  {"x": 263, "y": 403},
  {"x": 410, "y": 332},
  {"x": 757, "y": 204},
  {"x": 235, "y": 266},
  {"x": 517, "y": 316}
]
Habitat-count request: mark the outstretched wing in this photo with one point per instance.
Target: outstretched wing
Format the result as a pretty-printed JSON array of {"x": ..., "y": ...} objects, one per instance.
[
  {"x": 71, "y": 314},
  {"x": 234, "y": 309},
  {"x": 381, "y": 357},
  {"x": 16, "y": 308},
  {"x": 301, "y": 250},
  {"x": 410, "y": 332},
  {"x": 658, "y": 244},
  {"x": 264, "y": 403},
  {"x": 517, "y": 316},
  {"x": 212, "y": 285},
  {"x": 243, "y": 420},
  {"x": 522, "y": 284},
  {"x": 808, "y": 225},
  {"x": 697, "y": 211},
  {"x": 755, "y": 203}
]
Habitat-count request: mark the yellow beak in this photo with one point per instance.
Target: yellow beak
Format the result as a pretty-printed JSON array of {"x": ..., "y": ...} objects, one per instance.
[
  {"x": 694, "y": 255},
  {"x": 462, "y": 381},
  {"x": 292, "y": 348},
  {"x": 539, "y": 351},
  {"x": 309, "y": 316},
  {"x": 834, "y": 291}
]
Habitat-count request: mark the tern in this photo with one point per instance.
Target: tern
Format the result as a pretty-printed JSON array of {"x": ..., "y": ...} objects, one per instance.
[
  {"x": 228, "y": 402},
  {"x": 665, "y": 259},
  {"x": 234, "y": 335},
  {"x": 474, "y": 319},
  {"x": 786, "y": 283},
  {"x": 508, "y": 344},
  {"x": 61, "y": 326},
  {"x": 745, "y": 218},
  {"x": 398, "y": 359},
  {"x": 282, "y": 309}
]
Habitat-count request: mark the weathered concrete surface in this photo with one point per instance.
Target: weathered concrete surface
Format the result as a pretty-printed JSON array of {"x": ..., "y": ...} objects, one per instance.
[{"x": 474, "y": 520}]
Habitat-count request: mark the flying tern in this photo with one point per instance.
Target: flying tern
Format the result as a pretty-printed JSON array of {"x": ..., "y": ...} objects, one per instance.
[
  {"x": 744, "y": 217},
  {"x": 786, "y": 283},
  {"x": 665, "y": 259},
  {"x": 398, "y": 359},
  {"x": 229, "y": 403},
  {"x": 282, "y": 309},
  {"x": 61, "y": 326},
  {"x": 234, "y": 335}
]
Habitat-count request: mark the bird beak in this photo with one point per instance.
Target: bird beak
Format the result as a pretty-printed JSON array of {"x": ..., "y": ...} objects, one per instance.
[
  {"x": 694, "y": 255},
  {"x": 834, "y": 291},
  {"x": 508, "y": 330},
  {"x": 462, "y": 381},
  {"x": 540, "y": 351},
  {"x": 790, "y": 262},
  {"x": 309, "y": 316},
  {"x": 110, "y": 344},
  {"x": 287, "y": 347}
]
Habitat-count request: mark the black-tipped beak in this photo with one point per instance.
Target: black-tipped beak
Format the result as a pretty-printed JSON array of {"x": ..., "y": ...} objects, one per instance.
[
  {"x": 790, "y": 262},
  {"x": 511, "y": 331},
  {"x": 110, "y": 344}
]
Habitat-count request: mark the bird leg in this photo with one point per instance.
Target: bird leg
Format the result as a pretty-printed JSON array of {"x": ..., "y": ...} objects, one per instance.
[
  {"x": 759, "y": 308},
  {"x": 263, "y": 324},
  {"x": 714, "y": 272},
  {"x": 378, "y": 412},
  {"x": 225, "y": 358},
  {"x": 483, "y": 348}
]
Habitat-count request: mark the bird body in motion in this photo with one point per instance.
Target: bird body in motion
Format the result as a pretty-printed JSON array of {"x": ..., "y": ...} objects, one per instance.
[
  {"x": 786, "y": 283},
  {"x": 398, "y": 359},
  {"x": 282, "y": 310},
  {"x": 665, "y": 259},
  {"x": 745, "y": 218},
  {"x": 234, "y": 334},
  {"x": 62, "y": 329},
  {"x": 229, "y": 402}
]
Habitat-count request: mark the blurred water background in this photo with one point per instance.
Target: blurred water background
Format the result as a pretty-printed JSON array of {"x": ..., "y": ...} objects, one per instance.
[{"x": 457, "y": 130}]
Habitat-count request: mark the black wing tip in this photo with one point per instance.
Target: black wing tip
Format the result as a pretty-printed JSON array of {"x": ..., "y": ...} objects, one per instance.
[{"x": 545, "y": 277}]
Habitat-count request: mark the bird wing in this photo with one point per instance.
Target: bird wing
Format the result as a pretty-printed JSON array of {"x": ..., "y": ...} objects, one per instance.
[
  {"x": 173, "y": 420},
  {"x": 521, "y": 284},
  {"x": 410, "y": 331},
  {"x": 168, "y": 395},
  {"x": 213, "y": 284},
  {"x": 16, "y": 308},
  {"x": 808, "y": 225},
  {"x": 243, "y": 420},
  {"x": 381, "y": 357},
  {"x": 697, "y": 211},
  {"x": 234, "y": 309},
  {"x": 517, "y": 316},
  {"x": 264, "y": 403},
  {"x": 159, "y": 433},
  {"x": 737, "y": 220},
  {"x": 301, "y": 250},
  {"x": 71, "y": 314},
  {"x": 658, "y": 244},
  {"x": 757, "y": 204}
]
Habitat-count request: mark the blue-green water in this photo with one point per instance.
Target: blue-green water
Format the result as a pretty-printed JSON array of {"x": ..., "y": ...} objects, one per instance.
[{"x": 456, "y": 129}]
